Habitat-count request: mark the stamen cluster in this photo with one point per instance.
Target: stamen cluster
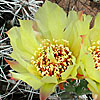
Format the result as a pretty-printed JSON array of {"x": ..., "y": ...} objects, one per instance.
[
  {"x": 53, "y": 58},
  {"x": 95, "y": 51}
]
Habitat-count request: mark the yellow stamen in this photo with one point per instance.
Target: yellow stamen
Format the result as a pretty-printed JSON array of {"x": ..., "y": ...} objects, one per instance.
[
  {"x": 51, "y": 59},
  {"x": 95, "y": 51}
]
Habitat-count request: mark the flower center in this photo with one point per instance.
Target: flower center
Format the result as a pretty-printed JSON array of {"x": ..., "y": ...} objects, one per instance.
[
  {"x": 95, "y": 51},
  {"x": 53, "y": 58}
]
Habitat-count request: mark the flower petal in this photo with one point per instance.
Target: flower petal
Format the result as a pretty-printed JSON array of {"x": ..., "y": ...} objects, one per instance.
[
  {"x": 16, "y": 66},
  {"x": 67, "y": 73},
  {"x": 20, "y": 59},
  {"x": 75, "y": 47},
  {"x": 34, "y": 71},
  {"x": 26, "y": 64},
  {"x": 74, "y": 71},
  {"x": 26, "y": 30},
  {"x": 93, "y": 74},
  {"x": 89, "y": 65},
  {"x": 28, "y": 78},
  {"x": 48, "y": 79},
  {"x": 72, "y": 18},
  {"x": 82, "y": 27},
  {"x": 79, "y": 67},
  {"x": 16, "y": 42},
  {"x": 71, "y": 35},
  {"x": 95, "y": 88},
  {"x": 94, "y": 35},
  {"x": 29, "y": 67},
  {"x": 92, "y": 86},
  {"x": 46, "y": 90},
  {"x": 75, "y": 28},
  {"x": 51, "y": 20},
  {"x": 79, "y": 21},
  {"x": 94, "y": 32},
  {"x": 97, "y": 22}
]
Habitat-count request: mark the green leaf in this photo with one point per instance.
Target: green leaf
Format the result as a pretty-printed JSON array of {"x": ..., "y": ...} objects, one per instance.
[
  {"x": 76, "y": 87},
  {"x": 46, "y": 90},
  {"x": 82, "y": 88}
]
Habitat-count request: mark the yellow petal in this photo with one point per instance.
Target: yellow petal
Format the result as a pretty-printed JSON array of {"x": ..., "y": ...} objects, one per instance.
[
  {"x": 92, "y": 86},
  {"x": 28, "y": 36},
  {"x": 89, "y": 65},
  {"x": 51, "y": 19},
  {"x": 16, "y": 66},
  {"x": 71, "y": 35},
  {"x": 48, "y": 79},
  {"x": 28, "y": 78},
  {"x": 46, "y": 90},
  {"x": 67, "y": 73},
  {"x": 82, "y": 27},
  {"x": 16, "y": 42},
  {"x": 97, "y": 22}
]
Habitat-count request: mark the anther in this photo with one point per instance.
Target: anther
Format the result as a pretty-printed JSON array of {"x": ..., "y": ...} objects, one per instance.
[{"x": 53, "y": 59}]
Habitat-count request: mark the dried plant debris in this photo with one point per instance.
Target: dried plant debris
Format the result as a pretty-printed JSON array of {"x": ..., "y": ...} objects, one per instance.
[
  {"x": 21, "y": 8},
  {"x": 10, "y": 10},
  {"x": 90, "y": 7}
]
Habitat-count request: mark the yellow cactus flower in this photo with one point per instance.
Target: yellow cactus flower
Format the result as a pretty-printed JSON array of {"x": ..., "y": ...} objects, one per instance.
[
  {"x": 91, "y": 57},
  {"x": 46, "y": 50}
]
